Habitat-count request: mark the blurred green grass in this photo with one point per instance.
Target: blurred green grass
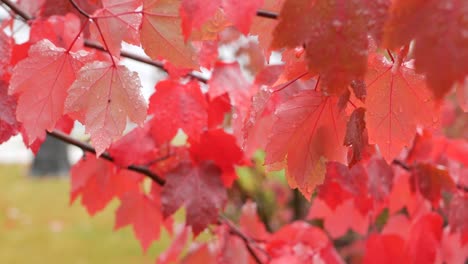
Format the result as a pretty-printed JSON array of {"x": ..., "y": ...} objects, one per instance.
[{"x": 37, "y": 225}]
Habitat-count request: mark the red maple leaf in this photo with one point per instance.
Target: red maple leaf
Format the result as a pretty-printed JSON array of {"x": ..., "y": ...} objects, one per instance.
[
  {"x": 42, "y": 81},
  {"x": 424, "y": 22},
  {"x": 199, "y": 189},
  {"x": 102, "y": 98},
  {"x": 9, "y": 126},
  {"x": 175, "y": 105},
  {"x": 397, "y": 103},
  {"x": 308, "y": 130},
  {"x": 335, "y": 38}
]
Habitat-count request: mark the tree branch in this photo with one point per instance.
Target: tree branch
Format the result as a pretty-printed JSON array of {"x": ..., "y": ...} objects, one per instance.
[
  {"x": 78, "y": 8},
  {"x": 267, "y": 14},
  {"x": 17, "y": 10},
  {"x": 88, "y": 148}
]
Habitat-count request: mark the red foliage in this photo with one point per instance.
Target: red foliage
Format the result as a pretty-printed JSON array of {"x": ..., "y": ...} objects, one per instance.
[{"x": 352, "y": 116}]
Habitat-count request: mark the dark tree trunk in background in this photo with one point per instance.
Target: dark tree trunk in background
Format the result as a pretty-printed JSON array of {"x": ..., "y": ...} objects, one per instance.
[{"x": 52, "y": 159}]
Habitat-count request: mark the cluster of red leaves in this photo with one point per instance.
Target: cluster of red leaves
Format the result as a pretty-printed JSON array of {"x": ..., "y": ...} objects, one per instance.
[{"x": 347, "y": 101}]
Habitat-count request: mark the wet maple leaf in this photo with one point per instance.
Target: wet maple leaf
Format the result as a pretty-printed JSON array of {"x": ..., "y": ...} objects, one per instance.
[
  {"x": 114, "y": 22},
  {"x": 143, "y": 213},
  {"x": 42, "y": 81},
  {"x": 161, "y": 34},
  {"x": 9, "y": 126},
  {"x": 6, "y": 49},
  {"x": 397, "y": 103},
  {"x": 439, "y": 29},
  {"x": 102, "y": 98},
  {"x": 335, "y": 39},
  {"x": 199, "y": 189},
  {"x": 175, "y": 105},
  {"x": 308, "y": 129}
]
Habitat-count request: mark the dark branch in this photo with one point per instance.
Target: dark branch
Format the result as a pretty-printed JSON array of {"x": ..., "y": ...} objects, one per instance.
[
  {"x": 142, "y": 59},
  {"x": 17, "y": 10},
  {"x": 267, "y": 14},
  {"x": 78, "y": 8},
  {"x": 88, "y": 148}
]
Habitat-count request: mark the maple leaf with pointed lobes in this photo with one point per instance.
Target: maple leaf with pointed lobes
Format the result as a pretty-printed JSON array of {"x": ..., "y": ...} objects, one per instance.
[
  {"x": 161, "y": 34},
  {"x": 199, "y": 189},
  {"x": 308, "y": 129},
  {"x": 397, "y": 103},
  {"x": 335, "y": 39},
  {"x": 102, "y": 98},
  {"x": 42, "y": 81},
  {"x": 143, "y": 213},
  {"x": 9, "y": 126},
  {"x": 175, "y": 105},
  {"x": 425, "y": 22},
  {"x": 116, "y": 21}
]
